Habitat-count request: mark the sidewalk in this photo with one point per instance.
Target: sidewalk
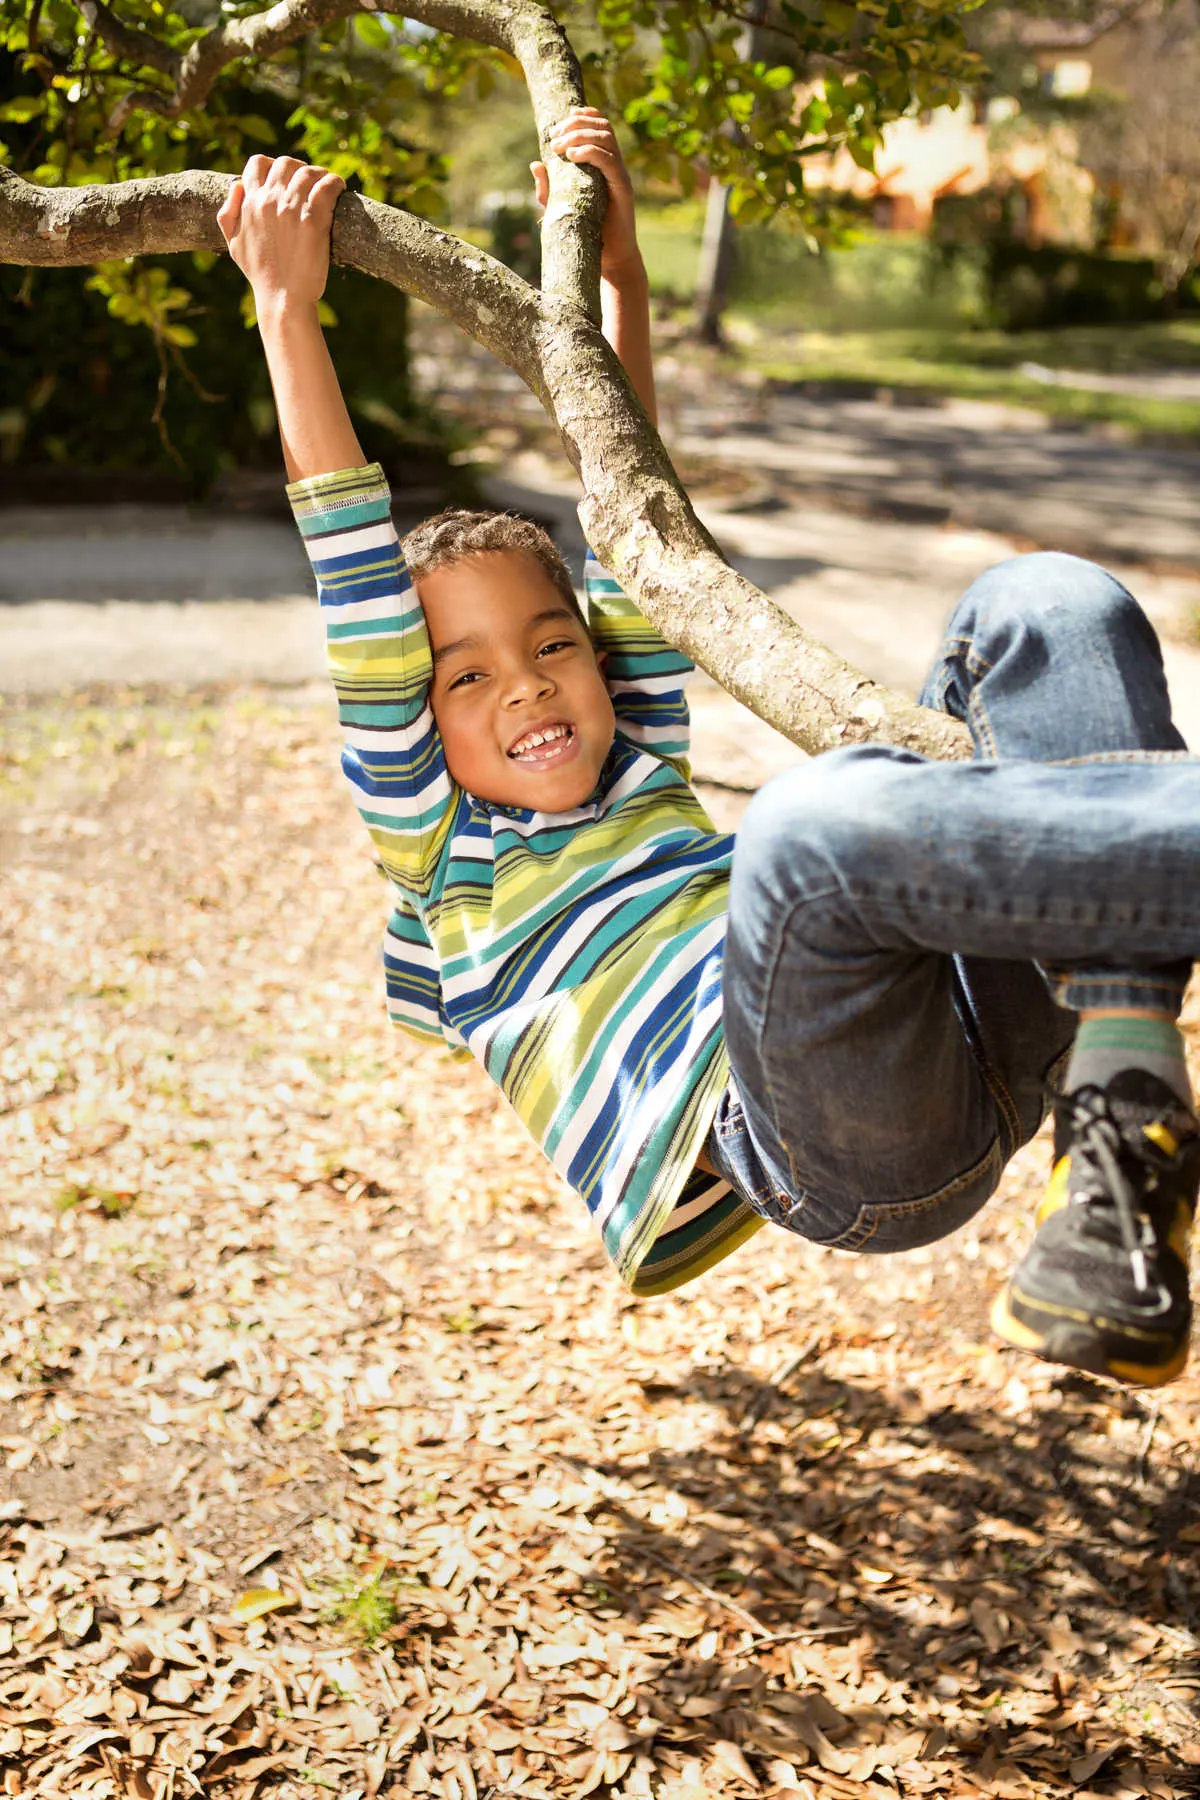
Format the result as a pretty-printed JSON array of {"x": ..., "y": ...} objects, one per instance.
[{"x": 864, "y": 521}]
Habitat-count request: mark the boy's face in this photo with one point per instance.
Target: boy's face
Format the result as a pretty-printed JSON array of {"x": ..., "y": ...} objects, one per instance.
[{"x": 519, "y": 698}]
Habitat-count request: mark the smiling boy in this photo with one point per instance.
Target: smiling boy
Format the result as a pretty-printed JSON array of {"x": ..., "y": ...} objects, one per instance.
[
  {"x": 519, "y": 697},
  {"x": 559, "y": 893},
  {"x": 847, "y": 1027}
]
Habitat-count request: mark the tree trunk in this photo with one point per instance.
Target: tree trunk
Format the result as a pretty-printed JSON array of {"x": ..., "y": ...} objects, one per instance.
[
  {"x": 718, "y": 249},
  {"x": 716, "y": 267}
]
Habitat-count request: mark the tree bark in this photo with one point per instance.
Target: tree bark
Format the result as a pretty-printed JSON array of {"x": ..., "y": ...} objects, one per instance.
[{"x": 636, "y": 516}]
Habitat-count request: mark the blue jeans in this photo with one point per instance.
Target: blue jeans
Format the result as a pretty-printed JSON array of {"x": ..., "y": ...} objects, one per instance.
[{"x": 909, "y": 940}]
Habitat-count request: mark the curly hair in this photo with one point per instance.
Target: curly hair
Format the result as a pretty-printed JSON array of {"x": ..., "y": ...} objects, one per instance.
[{"x": 451, "y": 536}]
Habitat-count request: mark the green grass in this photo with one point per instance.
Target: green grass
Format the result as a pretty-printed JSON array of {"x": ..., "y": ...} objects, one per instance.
[
  {"x": 1096, "y": 349},
  {"x": 112, "y": 1204},
  {"x": 872, "y": 314},
  {"x": 368, "y": 1607},
  {"x": 987, "y": 366}
]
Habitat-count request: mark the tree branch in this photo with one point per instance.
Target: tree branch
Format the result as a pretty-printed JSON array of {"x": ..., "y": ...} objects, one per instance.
[
  {"x": 126, "y": 42},
  {"x": 525, "y": 29},
  {"x": 636, "y": 516}
]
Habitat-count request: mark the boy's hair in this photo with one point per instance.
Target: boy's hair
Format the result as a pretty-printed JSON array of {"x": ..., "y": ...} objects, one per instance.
[{"x": 451, "y": 536}]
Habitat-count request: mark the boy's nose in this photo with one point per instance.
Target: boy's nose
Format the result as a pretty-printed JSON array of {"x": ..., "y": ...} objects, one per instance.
[{"x": 525, "y": 683}]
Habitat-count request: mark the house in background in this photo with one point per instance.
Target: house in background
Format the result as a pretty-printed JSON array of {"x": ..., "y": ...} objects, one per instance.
[{"x": 994, "y": 143}]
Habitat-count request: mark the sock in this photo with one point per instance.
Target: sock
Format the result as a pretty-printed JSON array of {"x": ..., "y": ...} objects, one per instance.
[{"x": 1105, "y": 1046}]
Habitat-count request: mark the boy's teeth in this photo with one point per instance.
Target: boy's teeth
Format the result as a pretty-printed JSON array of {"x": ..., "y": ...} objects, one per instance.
[{"x": 536, "y": 739}]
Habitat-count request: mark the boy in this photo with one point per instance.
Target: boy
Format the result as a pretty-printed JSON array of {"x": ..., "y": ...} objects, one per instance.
[{"x": 840, "y": 1027}]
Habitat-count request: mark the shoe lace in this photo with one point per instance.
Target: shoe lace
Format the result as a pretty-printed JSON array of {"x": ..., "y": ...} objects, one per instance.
[{"x": 1099, "y": 1176}]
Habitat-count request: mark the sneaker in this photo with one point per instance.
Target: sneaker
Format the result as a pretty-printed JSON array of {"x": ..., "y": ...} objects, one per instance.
[{"x": 1104, "y": 1285}]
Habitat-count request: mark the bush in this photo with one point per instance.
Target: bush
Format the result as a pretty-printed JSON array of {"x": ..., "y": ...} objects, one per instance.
[
  {"x": 81, "y": 388},
  {"x": 1027, "y": 287},
  {"x": 1042, "y": 288},
  {"x": 886, "y": 281}
]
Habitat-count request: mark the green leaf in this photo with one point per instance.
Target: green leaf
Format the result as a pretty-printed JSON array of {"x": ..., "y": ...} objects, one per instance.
[
  {"x": 258, "y": 130},
  {"x": 373, "y": 32},
  {"x": 24, "y": 108}
]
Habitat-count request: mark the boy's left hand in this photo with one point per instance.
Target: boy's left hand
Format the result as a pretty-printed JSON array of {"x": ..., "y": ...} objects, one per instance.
[{"x": 586, "y": 136}]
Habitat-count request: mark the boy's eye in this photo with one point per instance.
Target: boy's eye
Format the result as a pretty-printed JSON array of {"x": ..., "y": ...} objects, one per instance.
[
  {"x": 556, "y": 644},
  {"x": 468, "y": 676}
]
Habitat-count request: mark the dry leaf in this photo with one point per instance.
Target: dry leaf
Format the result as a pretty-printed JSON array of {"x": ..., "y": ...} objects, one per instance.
[{"x": 255, "y": 1602}]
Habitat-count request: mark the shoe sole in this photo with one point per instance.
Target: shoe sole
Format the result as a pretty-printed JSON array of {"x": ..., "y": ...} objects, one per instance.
[{"x": 1081, "y": 1343}]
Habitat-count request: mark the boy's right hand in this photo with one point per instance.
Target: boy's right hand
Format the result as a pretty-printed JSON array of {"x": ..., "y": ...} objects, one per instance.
[{"x": 276, "y": 222}]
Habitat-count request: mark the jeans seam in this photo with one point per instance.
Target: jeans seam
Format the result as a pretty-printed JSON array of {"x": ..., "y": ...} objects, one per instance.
[
  {"x": 879, "y": 1213},
  {"x": 1121, "y": 756},
  {"x": 1067, "y": 978},
  {"x": 929, "y": 902},
  {"x": 981, "y": 725},
  {"x": 1005, "y": 1104},
  {"x": 768, "y": 992}
]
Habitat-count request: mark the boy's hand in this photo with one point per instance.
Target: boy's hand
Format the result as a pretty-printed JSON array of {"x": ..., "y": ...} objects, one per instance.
[
  {"x": 585, "y": 136},
  {"x": 276, "y": 222}
]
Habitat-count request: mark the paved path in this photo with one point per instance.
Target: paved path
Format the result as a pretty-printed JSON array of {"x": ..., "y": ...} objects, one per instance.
[
  {"x": 865, "y": 521},
  {"x": 969, "y": 463}
]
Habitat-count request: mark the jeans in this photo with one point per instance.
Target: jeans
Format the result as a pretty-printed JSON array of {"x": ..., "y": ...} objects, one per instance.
[{"x": 909, "y": 940}]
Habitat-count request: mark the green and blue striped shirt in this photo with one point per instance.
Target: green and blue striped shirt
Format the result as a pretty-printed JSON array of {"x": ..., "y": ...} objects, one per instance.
[{"x": 577, "y": 955}]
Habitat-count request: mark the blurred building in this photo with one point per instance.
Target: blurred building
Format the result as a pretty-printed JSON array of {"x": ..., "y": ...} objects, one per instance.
[{"x": 995, "y": 143}]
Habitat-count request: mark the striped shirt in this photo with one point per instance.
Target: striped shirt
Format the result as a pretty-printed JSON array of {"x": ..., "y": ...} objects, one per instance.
[{"x": 577, "y": 955}]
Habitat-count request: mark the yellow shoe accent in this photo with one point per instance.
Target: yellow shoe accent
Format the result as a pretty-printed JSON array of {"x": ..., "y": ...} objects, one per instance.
[
  {"x": 1057, "y": 1191},
  {"x": 1138, "y": 1376},
  {"x": 1180, "y": 1235},
  {"x": 1025, "y": 1337},
  {"x": 1158, "y": 1134},
  {"x": 1005, "y": 1325}
]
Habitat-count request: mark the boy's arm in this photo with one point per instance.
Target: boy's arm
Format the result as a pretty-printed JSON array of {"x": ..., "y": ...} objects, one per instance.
[
  {"x": 585, "y": 136},
  {"x": 645, "y": 675},
  {"x": 646, "y": 678},
  {"x": 413, "y": 977},
  {"x": 276, "y": 222}
]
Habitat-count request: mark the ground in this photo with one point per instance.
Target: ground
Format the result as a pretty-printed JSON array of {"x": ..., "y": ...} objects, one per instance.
[{"x": 338, "y": 1459}]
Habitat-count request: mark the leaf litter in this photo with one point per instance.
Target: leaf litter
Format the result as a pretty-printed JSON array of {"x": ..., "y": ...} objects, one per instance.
[{"x": 335, "y": 1458}]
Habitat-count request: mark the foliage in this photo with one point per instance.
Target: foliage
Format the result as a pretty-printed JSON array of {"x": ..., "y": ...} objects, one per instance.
[
  {"x": 368, "y": 1605},
  {"x": 368, "y": 95},
  {"x": 84, "y": 396},
  {"x": 1143, "y": 144},
  {"x": 1048, "y": 285},
  {"x": 1035, "y": 287},
  {"x": 338, "y": 97},
  {"x": 880, "y": 281},
  {"x": 833, "y": 76}
]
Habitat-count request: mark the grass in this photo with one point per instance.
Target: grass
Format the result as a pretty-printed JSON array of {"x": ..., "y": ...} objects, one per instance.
[
  {"x": 109, "y": 1201},
  {"x": 871, "y": 314},
  {"x": 990, "y": 366},
  {"x": 367, "y": 1608}
]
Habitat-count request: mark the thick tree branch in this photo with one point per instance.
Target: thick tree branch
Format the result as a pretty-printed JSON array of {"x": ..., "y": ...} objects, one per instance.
[
  {"x": 634, "y": 511},
  {"x": 525, "y": 29},
  {"x": 126, "y": 42}
]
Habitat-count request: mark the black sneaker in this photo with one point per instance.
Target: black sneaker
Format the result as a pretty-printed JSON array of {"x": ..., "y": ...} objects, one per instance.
[{"x": 1104, "y": 1285}]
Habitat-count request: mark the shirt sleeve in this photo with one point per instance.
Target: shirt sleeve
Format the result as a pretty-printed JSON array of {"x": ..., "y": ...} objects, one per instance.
[
  {"x": 380, "y": 663},
  {"x": 413, "y": 978},
  {"x": 646, "y": 677}
]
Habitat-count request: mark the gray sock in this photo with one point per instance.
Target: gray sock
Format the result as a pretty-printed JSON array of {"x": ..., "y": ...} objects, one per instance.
[{"x": 1103, "y": 1047}]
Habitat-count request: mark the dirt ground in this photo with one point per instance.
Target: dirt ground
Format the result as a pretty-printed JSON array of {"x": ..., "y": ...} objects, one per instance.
[{"x": 338, "y": 1460}]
